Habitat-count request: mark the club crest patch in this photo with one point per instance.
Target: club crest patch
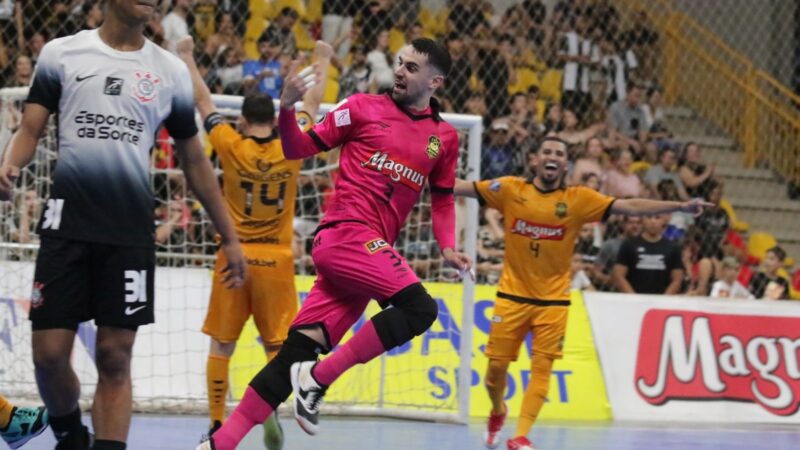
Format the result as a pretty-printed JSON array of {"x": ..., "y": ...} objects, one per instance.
[
  {"x": 434, "y": 145},
  {"x": 561, "y": 209},
  {"x": 145, "y": 86}
]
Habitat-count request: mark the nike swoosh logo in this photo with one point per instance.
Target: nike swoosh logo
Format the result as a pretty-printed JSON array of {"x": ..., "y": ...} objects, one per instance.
[
  {"x": 80, "y": 78},
  {"x": 129, "y": 310}
]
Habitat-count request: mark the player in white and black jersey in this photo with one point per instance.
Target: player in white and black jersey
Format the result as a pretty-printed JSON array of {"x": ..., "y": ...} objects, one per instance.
[{"x": 111, "y": 89}]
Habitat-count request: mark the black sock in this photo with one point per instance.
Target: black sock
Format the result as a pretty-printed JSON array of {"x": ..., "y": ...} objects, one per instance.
[
  {"x": 102, "y": 444},
  {"x": 63, "y": 426}
]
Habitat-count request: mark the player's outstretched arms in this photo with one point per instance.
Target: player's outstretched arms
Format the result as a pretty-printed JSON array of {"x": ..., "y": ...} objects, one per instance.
[
  {"x": 202, "y": 96},
  {"x": 295, "y": 143},
  {"x": 643, "y": 206},
  {"x": 465, "y": 188},
  {"x": 203, "y": 183},
  {"x": 22, "y": 147}
]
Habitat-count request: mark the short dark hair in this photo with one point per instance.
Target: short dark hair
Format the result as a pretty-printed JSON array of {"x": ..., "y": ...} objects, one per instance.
[
  {"x": 438, "y": 56},
  {"x": 289, "y": 11},
  {"x": 258, "y": 108},
  {"x": 778, "y": 252},
  {"x": 553, "y": 139}
]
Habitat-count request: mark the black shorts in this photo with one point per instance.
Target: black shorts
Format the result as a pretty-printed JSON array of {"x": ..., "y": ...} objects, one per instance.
[{"x": 76, "y": 281}]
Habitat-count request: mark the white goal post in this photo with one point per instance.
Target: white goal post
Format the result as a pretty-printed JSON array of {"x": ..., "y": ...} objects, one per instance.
[{"x": 169, "y": 357}]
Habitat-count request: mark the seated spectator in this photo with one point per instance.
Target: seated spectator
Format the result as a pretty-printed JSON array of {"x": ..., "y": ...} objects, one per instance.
[
  {"x": 380, "y": 62},
  {"x": 767, "y": 284},
  {"x": 578, "y": 274},
  {"x": 224, "y": 38},
  {"x": 665, "y": 170},
  {"x": 619, "y": 182},
  {"x": 175, "y": 25},
  {"x": 588, "y": 242},
  {"x": 229, "y": 71},
  {"x": 649, "y": 264},
  {"x": 679, "y": 221},
  {"x": 590, "y": 161},
  {"x": 702, "y": 268},
  {"x": 626, "y": 120},
  {"x": 522, "y": 122},
  {"x": 489, "y": 254},
  {"x": 727, "y": 286},
  {"x": 358, "y": 78},
  {"x": 500, "y": 156},
  {"x": 23, "y": 72},
  {"x": 266, "y": 73},
  {"x": 607, "y": 256},
  {"x": 695, "y": 174},
  {"x": 553, "y": 118},
  {"x": 713, "y": 223},
  {"x": 571, "y": 132},
  {"x": 280, "y": 30}
]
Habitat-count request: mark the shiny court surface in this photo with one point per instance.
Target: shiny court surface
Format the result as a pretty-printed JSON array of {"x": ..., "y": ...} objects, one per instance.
[{"x": 183, "y": 432}]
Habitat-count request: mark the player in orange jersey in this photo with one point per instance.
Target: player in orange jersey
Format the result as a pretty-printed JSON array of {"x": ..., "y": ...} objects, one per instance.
[
  {"x": 260, "y": 187},
  {"x": 542, "y": 217}
]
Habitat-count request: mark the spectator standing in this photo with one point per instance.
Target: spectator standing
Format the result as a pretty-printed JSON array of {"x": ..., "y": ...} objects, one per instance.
[
  {"x": 266, "y": 73},
  {"x": 358, "y": 77},
  {"x": 579, "y": 54},
  {"x": 280, "y": 30},
  {"x": 649, "y": 264},
  {"x": 457, "y": 87},
  {"x": 607, "y": 256},
  {"x": 380, "y": 59},
  {"x": 499, "y": 156}
]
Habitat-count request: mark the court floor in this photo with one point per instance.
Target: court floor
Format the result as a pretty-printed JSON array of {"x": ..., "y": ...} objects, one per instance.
[{"x": 183, "y": 432}]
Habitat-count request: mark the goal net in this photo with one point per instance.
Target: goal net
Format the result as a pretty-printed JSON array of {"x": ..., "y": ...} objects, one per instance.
[{"x": 429, "y": 378}]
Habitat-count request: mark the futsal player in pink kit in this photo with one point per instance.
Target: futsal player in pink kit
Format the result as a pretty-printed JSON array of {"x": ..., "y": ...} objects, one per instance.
[{"x": 392, "y": 145}]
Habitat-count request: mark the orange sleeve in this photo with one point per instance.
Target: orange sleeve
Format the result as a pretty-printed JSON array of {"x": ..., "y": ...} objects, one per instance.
[
  {"x": 224, "y": 139},
  {"x": 493, "y": 193},
  {"x": 592, "y": 206}
]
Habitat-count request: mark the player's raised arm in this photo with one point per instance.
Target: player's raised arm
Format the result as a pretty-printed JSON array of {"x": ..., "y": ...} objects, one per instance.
[
  {"x": 296, "y": 144},
  {"x": 321, "y": 58},
  {"x": 643, "y": 206},
  {"x": 202, "y": 96}
]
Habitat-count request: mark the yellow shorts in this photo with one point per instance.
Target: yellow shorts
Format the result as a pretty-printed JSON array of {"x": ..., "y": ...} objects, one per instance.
[
  {"x": 511, "y": 322},
  {"x": 268, "y": 294}
]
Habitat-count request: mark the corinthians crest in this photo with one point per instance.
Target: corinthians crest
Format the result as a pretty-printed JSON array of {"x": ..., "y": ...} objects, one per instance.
[
  {"x": 144, "y": 89},
  {"x": 434, "y": 144}
]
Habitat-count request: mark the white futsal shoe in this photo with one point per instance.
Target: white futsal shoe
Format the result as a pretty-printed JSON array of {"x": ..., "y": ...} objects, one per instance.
[{"x": 307, "y": 396}]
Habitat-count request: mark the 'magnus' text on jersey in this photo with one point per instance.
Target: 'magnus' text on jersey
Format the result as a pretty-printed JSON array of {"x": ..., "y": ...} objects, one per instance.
[
  {"x": 109, "y": 104},
  {"x": 388, "y": 155}
]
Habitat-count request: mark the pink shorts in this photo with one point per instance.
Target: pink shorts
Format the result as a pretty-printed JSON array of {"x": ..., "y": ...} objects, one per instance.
[{"x": 354, "y": 264}]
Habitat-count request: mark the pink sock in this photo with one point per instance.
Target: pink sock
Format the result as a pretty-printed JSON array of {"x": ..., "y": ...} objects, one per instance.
[
  {"x": 251, "y": 411},
  {"x": 362, "y": 347}
]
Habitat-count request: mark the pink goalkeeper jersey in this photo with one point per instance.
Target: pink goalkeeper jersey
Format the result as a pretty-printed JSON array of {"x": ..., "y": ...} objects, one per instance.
[{"x": 388, "y": 154}]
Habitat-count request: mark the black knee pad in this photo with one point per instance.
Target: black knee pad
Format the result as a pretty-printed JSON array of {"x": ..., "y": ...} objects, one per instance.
[
  {"x": 413, "y": 312},
  {"x": 272, "y": 383}
]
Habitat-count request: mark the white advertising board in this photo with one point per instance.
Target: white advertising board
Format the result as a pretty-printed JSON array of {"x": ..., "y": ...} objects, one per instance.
[{"x": 697, "y": 359}]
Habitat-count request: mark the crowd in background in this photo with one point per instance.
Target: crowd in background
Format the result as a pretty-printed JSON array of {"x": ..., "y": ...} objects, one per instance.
[{"x": 575, "y": 70}]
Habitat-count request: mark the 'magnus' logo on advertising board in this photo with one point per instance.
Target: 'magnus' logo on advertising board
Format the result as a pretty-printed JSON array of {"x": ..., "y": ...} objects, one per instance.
[{"x": 686, "y": 355}]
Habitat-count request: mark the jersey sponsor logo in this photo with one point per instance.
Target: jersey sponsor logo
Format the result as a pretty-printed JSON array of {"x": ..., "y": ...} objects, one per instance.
[
  {"x": 79, "y": 78},
  {"x": 375, "y": 245},
  {"x": 538, "y": 231},
  {"x": 270, "y": 263},
  {"x": 395, "y": 170},
  {"x": 698, "y": 356},
  {"x": 37, "y": 298},
  {"x": 52, "y": 214},
  {"x": 561, "y": 210},
  {"x": 651, "y": 262},
  {"x": 144, "y": 89},
  {"x": 342, "y": 118},
  {"x": 434, "y": 145},
  {"x": 111, "y": 127},
  {"x": 113, "y": 86}
]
